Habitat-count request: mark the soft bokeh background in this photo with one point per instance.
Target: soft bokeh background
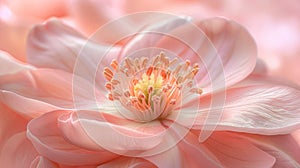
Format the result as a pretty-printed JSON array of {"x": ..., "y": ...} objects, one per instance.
[{"x": 275, "y": 25}]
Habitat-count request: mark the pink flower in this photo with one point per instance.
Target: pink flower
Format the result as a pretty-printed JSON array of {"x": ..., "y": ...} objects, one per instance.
[{"x": 170, "y": 92}]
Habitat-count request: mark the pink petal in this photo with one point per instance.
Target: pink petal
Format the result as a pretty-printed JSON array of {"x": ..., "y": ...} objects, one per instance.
[
  {"x": 55, "y": 45},
  {"x": 72, "y": 130},
  {"x": 49, "y": 142},
  {"x": 42, "y": 90},
  {"x": 119, "y": 135},
  {"x": 10, "y": 124},
  {"x": 253, "y": 106},
  {"x": 10, "y": 65},
  {"x": 27, "y": 107},
  {"x": 236, "y": 50},
  {"x": 125, "y": 162},
  {"x": 224, "y": 50},
  {"x": 42, "y": 162},
  {"x": 183, "y": 150},
  {"x": 17, "y": 152},
  {"x": 282, "y": 147},
  {"x": 169, "y": 158},
  {"x": 264, "y": 108},
  {"x": 234, "y": 152},
  {"x": 148, "y": 36},
  {"x": 42, "y": 51},
  {"x": 195, "y": 154}
]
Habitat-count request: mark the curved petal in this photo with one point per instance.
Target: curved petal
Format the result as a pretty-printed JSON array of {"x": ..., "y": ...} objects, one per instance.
[
  {"x": 224, "y": 50},
  {"x": 10, "y": 65},
  {"x": 263, "y": 109},
  {"x": 49, "y": 142},
  {"x": 282, "y": 147},
  {"x": 184, "y": 153},
  {"x": 17, "y": 152},
  {"x": 125, "y": 162},
  {"x": 120, "y": 135},
  {"x": 195, "y": 153},
  {"x": 42, "y": 162},
  {"x": 45, "y": 47},
  {"x": 72, "y": 130},
  {"x": 169, "y": 158},
  {"x": 55, "y": 45},
  {"x": 42, "y": 90},
  {"x": 27, "y": 107},
  {"x": 10, "y": 124},
  {"x": 252, "y": 106},
  {"x": 235, "y": 47},
  {"x": 235, "y": 152}
]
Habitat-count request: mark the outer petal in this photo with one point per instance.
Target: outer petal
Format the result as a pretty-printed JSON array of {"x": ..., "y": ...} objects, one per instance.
[
  {"x": 42, "y": 90},
  {"x": 49, "y": 142},
  {"x": 252, "y": 106},
  {"x": 42, "y": 162},
  {"x": 10, "y": 123},
  {"x": 282, "y": 147},
  {"x": 184, "y": 153},
  {"x": 235, "y": 47},
  {"x": 10, "y": 65},
  {"x": 164, "y": 159},
  {"x": 26, "y": 107},
  {"x": 112, "y": 132},
  {"x": 72, "y": 130},
  {"x": 55, "y": 45},
  {"x": 125, "y": 162},
  {"x": 119, "y": 135},
  {"x": 264, "y": 108},
  {"x": 17, "y": 152},
  {"x": 235, "y": 152}
]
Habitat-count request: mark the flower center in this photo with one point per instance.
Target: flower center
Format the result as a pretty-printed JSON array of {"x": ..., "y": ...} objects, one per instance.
[{"x": 153, "y": 88}]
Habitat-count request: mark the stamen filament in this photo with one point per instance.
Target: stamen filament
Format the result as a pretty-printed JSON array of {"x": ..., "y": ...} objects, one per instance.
[{"x": 154, "y": 86}]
